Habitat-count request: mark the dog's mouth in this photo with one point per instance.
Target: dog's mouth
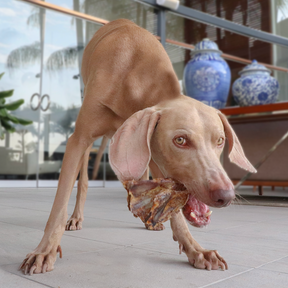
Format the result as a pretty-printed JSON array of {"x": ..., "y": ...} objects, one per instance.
[{"x": 196, "y": 212}]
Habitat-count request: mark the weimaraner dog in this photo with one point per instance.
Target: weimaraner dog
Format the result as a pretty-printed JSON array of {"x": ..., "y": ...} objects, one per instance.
[{"x": 132, "y": 95}]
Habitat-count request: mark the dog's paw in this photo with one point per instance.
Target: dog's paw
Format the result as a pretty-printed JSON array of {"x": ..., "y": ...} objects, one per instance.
[
  {"x": 40, "y": 261},
  {"x": 74, "y": 223},
  {"x": 207, "y": 259}
]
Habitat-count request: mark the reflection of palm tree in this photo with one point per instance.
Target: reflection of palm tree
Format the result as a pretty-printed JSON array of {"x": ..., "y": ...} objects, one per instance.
[
  {"x": 28, "y": 54},
  {"x": 67, "y": 57},
  {"x": 31, "y": 146},
  {"x": 34, "y": 19},
  {"x": 107, "y": 9},
  {"x": 26, "y": 110},
  {"x": 23, "y": 56},
  {"x": 63, "y": 58},
  {"x": 25, "y": 147},
  {"x": 64, "y": 125}
]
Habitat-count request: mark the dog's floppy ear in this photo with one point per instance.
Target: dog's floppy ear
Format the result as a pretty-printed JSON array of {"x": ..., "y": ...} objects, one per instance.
[
  {"x": 236, "y": 153},
  {"x": 130, "y": 146}
]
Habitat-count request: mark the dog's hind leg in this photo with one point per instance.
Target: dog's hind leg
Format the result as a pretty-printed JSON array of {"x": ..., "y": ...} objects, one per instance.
[
  {"x": 99, "y": 156},
  {"x": 76, "y": 219}
]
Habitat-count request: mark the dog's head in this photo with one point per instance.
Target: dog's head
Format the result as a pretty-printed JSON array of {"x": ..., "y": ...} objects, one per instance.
[{"x": 185, "y": 138}]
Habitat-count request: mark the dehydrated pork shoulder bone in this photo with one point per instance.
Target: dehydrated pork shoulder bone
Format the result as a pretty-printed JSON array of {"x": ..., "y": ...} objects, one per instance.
[{"x": 155, "y": 201}]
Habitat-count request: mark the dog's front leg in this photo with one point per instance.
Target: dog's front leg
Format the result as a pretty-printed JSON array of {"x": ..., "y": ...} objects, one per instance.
[
  {"x": 197, "y": 256},
  {"x": 42, "y": 259}
]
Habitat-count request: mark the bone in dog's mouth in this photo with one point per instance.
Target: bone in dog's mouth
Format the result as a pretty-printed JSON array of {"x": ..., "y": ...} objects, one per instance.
[{"x": 155, "y": 201}]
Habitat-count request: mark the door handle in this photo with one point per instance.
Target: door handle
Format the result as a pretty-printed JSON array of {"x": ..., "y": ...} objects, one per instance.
[
  {"x": 31, "y": 100},
  {"x": 40, "y": 100},
  {"x": 48, "y": 102}
]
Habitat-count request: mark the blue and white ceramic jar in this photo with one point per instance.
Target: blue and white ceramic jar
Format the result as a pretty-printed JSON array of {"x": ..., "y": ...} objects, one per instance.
[
  {"x": 207, "y": 76},
  {"x": 255, "y": 86}
]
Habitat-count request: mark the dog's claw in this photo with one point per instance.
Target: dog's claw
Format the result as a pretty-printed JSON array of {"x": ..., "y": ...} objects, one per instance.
[
  {"x": 44, "y": 269},
  {"x": 33, "y": 268},
  {"x": 26, "y": 269},
  {"x": 59, "y": 249},
  {"x": 181, "y": 248},
  {"x": 21, "y": 266},
  {"x": 208, "y": 266}
]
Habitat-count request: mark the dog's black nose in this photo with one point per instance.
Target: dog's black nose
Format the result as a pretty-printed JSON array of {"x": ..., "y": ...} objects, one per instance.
[{"x": 222, "y": 198}]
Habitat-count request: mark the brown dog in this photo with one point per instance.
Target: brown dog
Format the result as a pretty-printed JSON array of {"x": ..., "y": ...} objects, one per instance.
[{"x": 129, "y": 79}]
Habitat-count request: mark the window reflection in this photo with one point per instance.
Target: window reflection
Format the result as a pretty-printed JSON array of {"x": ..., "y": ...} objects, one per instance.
[
  {"x": 64, "y": 39},
  {"x": 24, "y": 30}
]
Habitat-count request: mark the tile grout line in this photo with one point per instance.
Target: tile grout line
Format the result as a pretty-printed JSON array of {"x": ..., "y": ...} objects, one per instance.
[
  {"x": 110, "y": 243},
  {"x": 117, "y": 246},
  {"x": 58, "y": 261},
  {"x": 37, "y": 229},
  {"x": 247, "y": 237},
  {"x": 249, "y": 270},
  {"x": 24, "y": 208},
  {"x": 134, "y": 246},
  {"x": 78, "y": 237},
  {"x": 42, "y": 284},
  {"x": 245, "y": 225},
  {"x": 89, "y": 217},
  {"x": 232, "y": 276},
  {"x": 271, "y": 262},
  {"x": 69, "y": 204},
  {"x": 218, "y": 232}
]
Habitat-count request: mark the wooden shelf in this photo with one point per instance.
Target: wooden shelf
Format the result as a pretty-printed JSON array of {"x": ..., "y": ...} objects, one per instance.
[{"x": 236, "y": 110}]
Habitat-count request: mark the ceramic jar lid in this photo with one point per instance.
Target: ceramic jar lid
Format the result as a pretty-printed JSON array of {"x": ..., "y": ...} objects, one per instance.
[
  {"x": 206, "y": 45},
  {"x": 254, "y": 67}
]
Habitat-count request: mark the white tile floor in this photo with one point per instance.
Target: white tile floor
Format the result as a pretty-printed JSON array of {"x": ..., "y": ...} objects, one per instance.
[{"x": 114, "y": 249}]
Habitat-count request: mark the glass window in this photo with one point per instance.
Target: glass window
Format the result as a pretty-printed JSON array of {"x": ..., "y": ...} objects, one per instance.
[
  {"x": 191, "y": 32},
  {"x": 142, "y": 15},
  {"x": 20, "y": 61},
  {"x": 38, "y": 149}
]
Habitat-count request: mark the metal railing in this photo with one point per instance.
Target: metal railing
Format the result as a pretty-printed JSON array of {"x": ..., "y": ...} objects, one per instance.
[{"x": 191, "y": 14}]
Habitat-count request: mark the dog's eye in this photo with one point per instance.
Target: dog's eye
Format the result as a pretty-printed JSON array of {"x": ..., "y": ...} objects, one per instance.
[
  {"x": 180, "y": 141},
  {"x": 220, "y": 141}
]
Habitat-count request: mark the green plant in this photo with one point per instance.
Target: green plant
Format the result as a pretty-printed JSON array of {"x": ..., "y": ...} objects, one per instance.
[{"x": 5, "y": 116}]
